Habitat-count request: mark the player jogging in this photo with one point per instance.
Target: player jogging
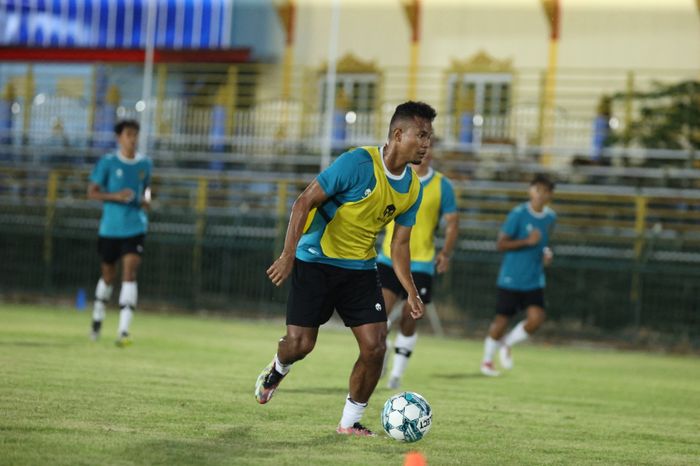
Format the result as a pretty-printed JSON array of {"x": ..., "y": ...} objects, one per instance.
[
  {"x": 121, "y": 181},
  {"x": 438, "y": 202},
  {"x": 524, "y": 237}
]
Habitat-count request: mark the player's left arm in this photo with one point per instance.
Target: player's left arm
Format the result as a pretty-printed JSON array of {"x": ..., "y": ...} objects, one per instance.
[
  {"x": 448, "y": 210},
  {"x": 442, "y": 261},
  {"x": 146, "y": 194},
  {"x": 401, "y": 260},
  {"x": 547, "y": 253}
]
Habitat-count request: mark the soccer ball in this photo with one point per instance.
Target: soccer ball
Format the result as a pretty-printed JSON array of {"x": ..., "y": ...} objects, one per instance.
[{"x": 407, "y": 417}]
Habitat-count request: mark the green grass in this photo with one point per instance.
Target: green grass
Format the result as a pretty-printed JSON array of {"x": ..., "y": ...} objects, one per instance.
[{"x": 183, "y": 395}]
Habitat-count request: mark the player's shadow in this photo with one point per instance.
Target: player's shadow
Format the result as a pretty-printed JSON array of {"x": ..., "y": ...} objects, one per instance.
[
  {"x": 316, "y": 390},
  {"x": 36, "y": 344},
  {"x": 458, "y": 375},
  {"x": 236, "y": 445}
]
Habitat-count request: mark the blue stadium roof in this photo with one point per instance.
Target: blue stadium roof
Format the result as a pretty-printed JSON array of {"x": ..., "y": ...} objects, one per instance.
[{"x": 115, "y": 24}]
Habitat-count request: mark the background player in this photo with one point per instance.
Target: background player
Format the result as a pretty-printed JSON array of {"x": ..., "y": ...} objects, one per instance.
[
  {"x": 525, "y": 239},
  {"x": 121, "y": 181},
  {"x": 438, "y": 202}
]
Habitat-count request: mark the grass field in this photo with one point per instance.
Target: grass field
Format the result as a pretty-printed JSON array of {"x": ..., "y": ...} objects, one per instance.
[{"x": 183, "y": 395}]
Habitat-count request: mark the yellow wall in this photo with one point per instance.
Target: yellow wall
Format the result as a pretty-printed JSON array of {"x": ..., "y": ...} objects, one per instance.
[{"x": 630, "y": 34}]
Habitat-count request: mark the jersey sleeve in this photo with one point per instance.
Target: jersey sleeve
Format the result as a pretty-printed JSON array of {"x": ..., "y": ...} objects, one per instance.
[
  {"x": 408, "y": 218},
  {"x": 346, "y": 172},
  {"x": 448, "y": 203},
  {"x": 99, "y": 173},
  {"x": 510, "y": 226}
]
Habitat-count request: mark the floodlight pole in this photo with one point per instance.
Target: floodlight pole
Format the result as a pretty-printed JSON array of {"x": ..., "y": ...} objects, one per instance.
[
  {"x": 327, "y": 141},
  {"x": 148, "y": 75}
]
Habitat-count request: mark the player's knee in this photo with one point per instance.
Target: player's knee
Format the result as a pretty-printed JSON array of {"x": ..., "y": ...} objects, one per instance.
[
  {"x": 534, "y": 321},
  {"x": 374, "y": 352},
  {"x": 300, "y": 345}
]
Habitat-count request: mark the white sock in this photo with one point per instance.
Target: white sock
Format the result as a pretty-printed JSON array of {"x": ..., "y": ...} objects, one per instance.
[
  {"x": 517, "y": 335},
  {"x": 128, "y": 297},
  {"x": 490, "y": 347},
  {"x": 403, "y": 349},
  {"x": 99, "y": 310},
  {"x": 352, "y": 412},
  {"x": 281, "y": 368},
  {"x": 103, "y": 293},
  {"x": 125, "y": 316}
]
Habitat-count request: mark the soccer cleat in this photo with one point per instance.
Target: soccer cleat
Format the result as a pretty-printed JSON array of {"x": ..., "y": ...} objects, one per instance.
[
  {"x": 488, "y": 370},
  {"x": 506, "y": 358},
  {"x": 124, "y": 340},
  {"x": 94, "y": 336},
  {"x": 356, "y": 429},
  {"x": 267, "y": 383},
  {"x": 394, "y": 383}
]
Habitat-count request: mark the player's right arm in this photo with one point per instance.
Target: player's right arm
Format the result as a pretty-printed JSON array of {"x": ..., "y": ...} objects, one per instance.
[
  {"x": 506, "y": 237},
  {"x": 98, "y": 180},
  {"x": 313, "y": 196},
  {"x": 506, "y": 243},
  {"x": 94, "y": 192}
]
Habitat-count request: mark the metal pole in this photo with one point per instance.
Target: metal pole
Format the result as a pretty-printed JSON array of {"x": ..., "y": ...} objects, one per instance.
[
  {"x": 330, "y": 83},
  {"x": 148, "y": 76}
]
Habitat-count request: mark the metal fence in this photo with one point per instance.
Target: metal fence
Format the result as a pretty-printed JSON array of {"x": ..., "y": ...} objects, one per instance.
[
  {"x": 626, "y": 258},
  {"x": 258, "y": 109}
]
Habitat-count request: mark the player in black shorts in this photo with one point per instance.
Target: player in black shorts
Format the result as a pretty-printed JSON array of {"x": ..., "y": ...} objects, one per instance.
[
  {"x": 329, "y": 251},
  {"x": 121, "y": 181},
  {"x": 438, "y": 204},
  {"x": 524, "y": 237}
]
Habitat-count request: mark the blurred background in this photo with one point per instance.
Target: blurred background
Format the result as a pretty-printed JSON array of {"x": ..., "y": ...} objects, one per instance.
[{"x": 242, "y": 102}]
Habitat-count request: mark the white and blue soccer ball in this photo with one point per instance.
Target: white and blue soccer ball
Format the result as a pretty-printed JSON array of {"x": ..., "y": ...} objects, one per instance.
[{"x": 407, "y": 417}]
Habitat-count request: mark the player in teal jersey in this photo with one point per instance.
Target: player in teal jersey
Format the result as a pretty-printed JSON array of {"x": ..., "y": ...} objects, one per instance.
[
  {"x": 121, "y": 180},
  {"x": 524, "y": 237},
  {"x": 438, "y": 204}
]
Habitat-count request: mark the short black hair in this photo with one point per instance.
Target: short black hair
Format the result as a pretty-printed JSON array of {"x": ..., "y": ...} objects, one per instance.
[
  {"x": 123, "y": 124},
  {"x": 409, "y": 110},
  {"x": 544, "y": 180}
]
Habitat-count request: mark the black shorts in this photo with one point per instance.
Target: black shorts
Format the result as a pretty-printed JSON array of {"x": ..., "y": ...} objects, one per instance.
[
  {"x": 512, "y": 301},
  {"x": 423, "y": 281},
  {"x": 318, "y": 289},
  {"x": 112, "y": 249}
]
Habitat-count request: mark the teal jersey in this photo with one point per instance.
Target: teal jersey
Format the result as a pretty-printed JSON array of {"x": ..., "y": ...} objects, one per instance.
[
  {"x": 350, "y": 178},
  {"x": 523, "y": 269},
  {"x": 114, "y": 173},
  {"x": 444, "y": 204}
]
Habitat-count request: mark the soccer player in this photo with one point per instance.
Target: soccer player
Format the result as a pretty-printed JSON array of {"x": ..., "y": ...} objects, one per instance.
[
  {"x": 330, "y": 252},
  {"x": 438, "y": 202},
  {"x": 121, "y": 181},
  {"x": 524, "y": 237}
]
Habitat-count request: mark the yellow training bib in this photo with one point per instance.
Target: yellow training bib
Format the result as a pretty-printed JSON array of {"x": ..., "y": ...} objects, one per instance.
[
  {"x": 352, "y": 232},
  {"x": 423, "y": 232}
]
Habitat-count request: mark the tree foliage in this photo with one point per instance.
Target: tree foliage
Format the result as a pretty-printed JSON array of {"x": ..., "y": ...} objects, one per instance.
[{"x": 668, "y": 117}]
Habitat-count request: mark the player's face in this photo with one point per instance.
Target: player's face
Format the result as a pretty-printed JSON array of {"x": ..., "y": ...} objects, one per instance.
[
  {"x": 415, "y": 139},
  {"x": 422, "y": 167},
  {"x": 540, "y": 195},
  {"x": 127, "y": 141}
]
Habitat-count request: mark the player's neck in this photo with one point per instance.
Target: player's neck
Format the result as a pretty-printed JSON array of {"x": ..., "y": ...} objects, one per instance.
[
  {"x": 536, "y": 208},
  {"x": 391, "y": 161},
  {"x": 421, "y": 171},
  {"x": 127, "y": 154}
]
